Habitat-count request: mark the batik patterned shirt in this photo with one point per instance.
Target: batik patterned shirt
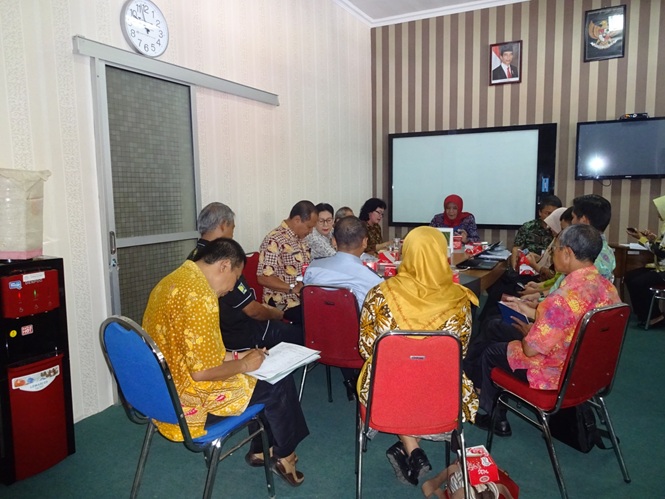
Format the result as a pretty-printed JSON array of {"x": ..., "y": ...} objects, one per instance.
[
  {"x": 374, "y": 237},
  {"x": 320, "y": 245},
  {"x": 182, "y": 317},
  {"x": 376, "y": 318},
  {"x": 556, "y": 320},
  {"x": 282, "y": 254}
]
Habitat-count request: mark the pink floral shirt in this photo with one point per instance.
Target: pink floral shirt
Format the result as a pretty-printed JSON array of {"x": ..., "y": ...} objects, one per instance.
[{"x": 556, "y": 319}]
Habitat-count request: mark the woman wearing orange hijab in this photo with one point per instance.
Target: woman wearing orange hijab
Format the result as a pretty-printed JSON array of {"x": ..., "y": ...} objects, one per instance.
[
  {"x": 421, "y": 297},
  {"x": 455, "y": 218}
]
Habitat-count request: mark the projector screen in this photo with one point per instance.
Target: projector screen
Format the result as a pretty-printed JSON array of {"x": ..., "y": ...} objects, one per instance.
[{"x": 500, "y": 173}]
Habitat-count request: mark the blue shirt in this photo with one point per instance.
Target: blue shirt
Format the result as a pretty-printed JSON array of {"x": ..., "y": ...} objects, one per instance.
[{"x": 343, "y": 270}]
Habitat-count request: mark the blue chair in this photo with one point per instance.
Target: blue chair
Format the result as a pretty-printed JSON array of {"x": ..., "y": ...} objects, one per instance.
[{"x": 148, "y": 393}]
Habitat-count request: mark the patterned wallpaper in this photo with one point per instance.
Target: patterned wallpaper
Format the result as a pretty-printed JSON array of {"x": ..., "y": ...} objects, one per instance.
[
  {"x": 259, "y": 159},
  {"x": 433, "y": 75}
]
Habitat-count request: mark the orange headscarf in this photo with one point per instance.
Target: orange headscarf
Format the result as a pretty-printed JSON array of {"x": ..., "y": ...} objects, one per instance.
[{"x": 422, "y": 295}]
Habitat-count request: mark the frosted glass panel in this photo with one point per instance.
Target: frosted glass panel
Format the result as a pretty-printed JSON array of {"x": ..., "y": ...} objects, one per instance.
[{"x": 151, "y": 154}]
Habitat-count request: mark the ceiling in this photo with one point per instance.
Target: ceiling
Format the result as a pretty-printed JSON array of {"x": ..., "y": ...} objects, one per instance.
[{"x": 385, "y": 12}]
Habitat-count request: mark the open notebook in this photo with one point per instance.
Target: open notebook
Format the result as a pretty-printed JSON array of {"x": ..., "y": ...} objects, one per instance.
[{"x": 283, "y": 359}]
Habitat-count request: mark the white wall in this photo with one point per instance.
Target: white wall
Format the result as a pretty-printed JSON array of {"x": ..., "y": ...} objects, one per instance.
[{"x": 258, "y": 159}]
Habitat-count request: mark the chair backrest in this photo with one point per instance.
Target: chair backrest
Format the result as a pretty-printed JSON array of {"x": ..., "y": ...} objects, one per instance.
[
  {"x": 144, "y": 380},
  {"x": 331, "y": 324},
  {"x": 249, "y": 273},
  {"x": 416, "y": 383},
  {"x": 594, "y": 354}
]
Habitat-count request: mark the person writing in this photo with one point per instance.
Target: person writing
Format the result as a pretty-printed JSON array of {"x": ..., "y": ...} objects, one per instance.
[
  {"x": 455, "y": 218},
  {"x": 182, "y": 318},
  {"x": 421, "y": 297}
]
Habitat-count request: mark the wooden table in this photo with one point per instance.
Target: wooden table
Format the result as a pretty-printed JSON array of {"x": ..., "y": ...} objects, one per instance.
[
  {"x": 485, "y": 278},
  {"x": 628, "y": 259}
]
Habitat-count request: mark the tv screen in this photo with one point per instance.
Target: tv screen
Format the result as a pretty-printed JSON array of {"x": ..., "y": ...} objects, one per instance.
[
  {"x": 620, "y": 149},
  {"x": 500, "y": 173}
]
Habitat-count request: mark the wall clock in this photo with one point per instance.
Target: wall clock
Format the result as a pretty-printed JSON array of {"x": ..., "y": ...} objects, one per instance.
[{"x": 144, "y": 27}]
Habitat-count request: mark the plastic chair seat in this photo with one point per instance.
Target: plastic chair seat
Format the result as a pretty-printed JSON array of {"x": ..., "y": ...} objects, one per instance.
[{"x": 587, "y": 376}]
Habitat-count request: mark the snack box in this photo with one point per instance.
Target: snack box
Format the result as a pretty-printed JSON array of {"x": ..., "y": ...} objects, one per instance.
[{"x": 481, "y": 466}]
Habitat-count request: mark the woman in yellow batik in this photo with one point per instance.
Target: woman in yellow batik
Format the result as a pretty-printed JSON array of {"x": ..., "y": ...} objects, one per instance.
[{"x": 421, "y": 297}]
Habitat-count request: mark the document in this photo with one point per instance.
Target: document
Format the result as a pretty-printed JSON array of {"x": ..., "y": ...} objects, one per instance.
[
  {"x": 508, "y": 313},
  {"x": 282, "y": 360}
]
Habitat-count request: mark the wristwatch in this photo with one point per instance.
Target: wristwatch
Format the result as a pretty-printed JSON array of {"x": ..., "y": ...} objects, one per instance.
[{"x": 291, "y": 286}]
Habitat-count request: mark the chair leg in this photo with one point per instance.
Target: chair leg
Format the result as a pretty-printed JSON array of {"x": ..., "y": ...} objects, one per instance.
[
  {"x": 266, "y": 461},
  {"x": 212, "y": 460},
  {"x": 614, "y": 439},
  {"x": 653, "y": 301},
  {"x": 143, "y": 457},
  {"x": 550, "y": 448},
  {"x": 360, "y": 445},
  {"x": 462, "y": 460},
  {"x": 328, "y": 383}
]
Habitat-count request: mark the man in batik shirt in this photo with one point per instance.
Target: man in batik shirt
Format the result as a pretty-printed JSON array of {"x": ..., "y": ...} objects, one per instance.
[
  {"x": 540, "y": 356},
  {"x": 282, "y": 254}
]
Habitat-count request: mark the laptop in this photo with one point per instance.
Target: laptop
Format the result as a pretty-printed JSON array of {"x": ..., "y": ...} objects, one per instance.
[{"x": 480, "y": 263}]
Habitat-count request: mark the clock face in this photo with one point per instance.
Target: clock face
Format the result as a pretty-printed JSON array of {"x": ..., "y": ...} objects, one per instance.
[{"x": 144, "y": 27}]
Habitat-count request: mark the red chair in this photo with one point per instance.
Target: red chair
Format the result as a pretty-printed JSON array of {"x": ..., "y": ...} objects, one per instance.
[
  {"x": 331, "y": 325},
  {"x": 587, "y": 375},
  {"x": 415, "y": 389},
  {"x": 249, "y": 273}
]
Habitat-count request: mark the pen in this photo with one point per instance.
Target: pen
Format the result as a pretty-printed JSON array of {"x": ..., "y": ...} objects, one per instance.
[{"x": 265, "y": 351}]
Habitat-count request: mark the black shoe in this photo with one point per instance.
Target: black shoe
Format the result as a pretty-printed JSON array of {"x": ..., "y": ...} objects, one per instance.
[
  {"x": 350, "y": 385},
  {"x": 501, "y": 426},
  {"x": 419, "y": 463},
  {"x": 397, "y": 457}
]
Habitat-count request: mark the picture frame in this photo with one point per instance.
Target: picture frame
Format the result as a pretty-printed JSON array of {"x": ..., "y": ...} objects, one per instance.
[
  {"x": 604, "y": 33},
  {"x": 506, "y": 62}
]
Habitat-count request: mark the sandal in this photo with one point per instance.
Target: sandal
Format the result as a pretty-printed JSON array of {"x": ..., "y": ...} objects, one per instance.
[
  {"x": 282, "y": 468},
  {"x": 256, "y": 460}
]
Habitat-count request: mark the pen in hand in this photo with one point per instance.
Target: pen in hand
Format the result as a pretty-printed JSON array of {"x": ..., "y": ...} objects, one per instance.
[{"x": 265, "y": 350}]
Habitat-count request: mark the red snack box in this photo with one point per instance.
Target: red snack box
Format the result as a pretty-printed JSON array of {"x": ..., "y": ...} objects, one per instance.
[
  {"x": 481, "y": 466},
  {"x": 457, "y": 242},
  {"x": 390, "y": 270}
]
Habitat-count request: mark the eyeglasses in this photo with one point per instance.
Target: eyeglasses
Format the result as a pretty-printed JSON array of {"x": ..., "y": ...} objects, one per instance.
[
  {"x": 325, "y": 221},
  {"x": 380, "y": 213}
]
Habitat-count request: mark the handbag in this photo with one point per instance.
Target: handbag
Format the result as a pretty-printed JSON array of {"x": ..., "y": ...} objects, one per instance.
[{"x": 576, "y": 427}]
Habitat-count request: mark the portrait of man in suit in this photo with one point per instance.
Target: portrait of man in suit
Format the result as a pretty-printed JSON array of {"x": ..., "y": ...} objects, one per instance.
[{"x": 505, "y": 62}]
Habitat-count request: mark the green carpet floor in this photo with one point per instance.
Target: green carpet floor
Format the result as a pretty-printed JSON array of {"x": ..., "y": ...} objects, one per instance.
[{"x": 107, "y": 448}]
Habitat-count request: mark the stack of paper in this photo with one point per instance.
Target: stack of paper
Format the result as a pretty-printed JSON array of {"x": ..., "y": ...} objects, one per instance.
[{"x": 282, "y": 360}]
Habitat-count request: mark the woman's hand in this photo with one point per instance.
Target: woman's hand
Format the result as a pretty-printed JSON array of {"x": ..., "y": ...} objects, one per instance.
[
  {"x": 464, "y": 234},
  {"x": 253, "y": 359},
  {"x": 531, "y": 287}
]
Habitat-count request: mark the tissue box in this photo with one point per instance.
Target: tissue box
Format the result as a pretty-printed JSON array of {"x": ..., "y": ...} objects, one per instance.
[{"x": 481, "y": 466}]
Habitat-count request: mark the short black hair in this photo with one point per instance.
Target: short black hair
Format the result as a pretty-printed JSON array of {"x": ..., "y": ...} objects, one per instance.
[
  {"x": 506, "y": 48},
  {"x": 372, "y": 204},
  {"x": 303, "y": 209},
  {"x": 350, "y": 232},
  {"x": 325, "y": 207},
  {"x": 550, "y": 201},
  {"x": 222, "y": 248},
  {"x": 567, "y": 216},
  {"x": 585, "y": 241},
  {"x": 597, "y": 209}
]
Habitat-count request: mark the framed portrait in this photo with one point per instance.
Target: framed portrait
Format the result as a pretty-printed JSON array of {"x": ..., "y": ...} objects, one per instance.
[
  {"x": 506, "y": 62},
  {"x": 604, "y": 33}
]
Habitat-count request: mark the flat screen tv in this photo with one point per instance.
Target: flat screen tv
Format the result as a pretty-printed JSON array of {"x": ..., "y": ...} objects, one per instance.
[
  {"x": 620, "y": 149},
  {"x": 501, "y": 173}
]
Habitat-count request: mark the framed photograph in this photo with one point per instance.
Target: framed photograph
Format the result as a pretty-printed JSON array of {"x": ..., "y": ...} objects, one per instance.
[
  {"x": 506, "y": 62},
  {"x": 604, "y": 33}
]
